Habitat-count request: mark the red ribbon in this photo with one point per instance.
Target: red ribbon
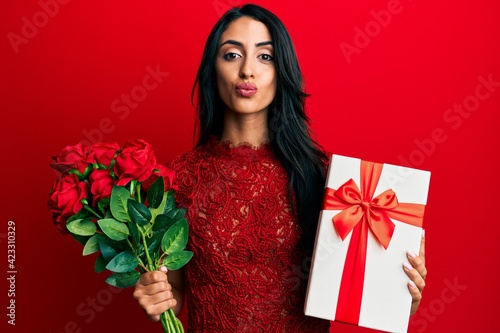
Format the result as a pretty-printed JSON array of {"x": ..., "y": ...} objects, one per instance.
[{"x": 361, "y": 213}]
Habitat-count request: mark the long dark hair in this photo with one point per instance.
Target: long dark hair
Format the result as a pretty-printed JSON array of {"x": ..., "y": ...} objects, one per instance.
[{"x": 288, "y": 124}]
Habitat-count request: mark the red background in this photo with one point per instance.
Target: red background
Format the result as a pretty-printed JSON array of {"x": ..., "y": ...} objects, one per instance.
[{"x": 382, "y": 103}]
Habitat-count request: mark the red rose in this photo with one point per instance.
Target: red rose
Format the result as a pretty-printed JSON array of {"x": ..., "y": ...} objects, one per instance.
[
  {"x": 72, "y": 157},
  {"x": 65, "y": 198},
  {"x": 60, "y": 222},
  {"x": 135, "y": 161},
  {"x": 101, "y": 184},
  {"x": 103, "y": 153},
  {"x": 160, "y": 170}
]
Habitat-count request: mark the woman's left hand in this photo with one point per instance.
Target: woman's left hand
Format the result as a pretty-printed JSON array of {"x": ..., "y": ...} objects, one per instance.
[{"x": 417, "y": 274}]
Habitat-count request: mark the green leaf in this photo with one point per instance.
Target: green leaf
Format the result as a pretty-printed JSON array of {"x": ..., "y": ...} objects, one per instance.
[
  {"x": 123, "y": 262},
  {"x": 138, "y": 212},
  {"x": 177, "y": 213},
  {"x": 169, "y": 201},
  {"x": 118, "y": 203},
  {"x": 123, "y": 280},
  {"x": 134, "y": 232},
  {"x": 107, "y": 248},
  {"x": 162, "y": 221},
  {"x": 78, "y": 216},
  {"x": 155, "y": 193},
  {"x": 100, "y": 264},
  {"x": 92, "y": 245},
  {"x": 176, "y": 237},
  {"x": 160, "y": 209},
  {"x": 154, "y": 242},
  {"x": 80, "y": 239},
  {"x": 148, "y": 229},
  {"x": 84, "y": 227},
  {"x": 103, "y": 204},
  {"x": 176, "y": 260},
  {"x": 113, "y": 229}
]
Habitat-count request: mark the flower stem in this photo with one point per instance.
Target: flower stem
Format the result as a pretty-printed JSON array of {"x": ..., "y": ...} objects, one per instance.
[
  {"x": 164, "y": 322},
  {"x": 132, "y": 187},
  {"x": 146, "y": 251},
  {"x": 138, "y": 191},
  {"x": 171, "y": 321},
  {"x": 177, "y": 323},
  {"x": 130, "y": 244},
  {"x": 141, "y": 264},
  {"x": 87, "y": 208}
]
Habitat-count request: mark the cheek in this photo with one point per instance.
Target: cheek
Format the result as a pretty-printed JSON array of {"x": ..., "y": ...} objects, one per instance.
[
  {"x": 223, "y": 82},
  {"x": 271, "y": 86}
]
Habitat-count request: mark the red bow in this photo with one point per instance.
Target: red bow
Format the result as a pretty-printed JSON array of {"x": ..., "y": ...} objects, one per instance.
[{"x": 359, "y": 214}]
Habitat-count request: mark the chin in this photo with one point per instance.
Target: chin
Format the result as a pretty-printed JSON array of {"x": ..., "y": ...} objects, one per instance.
[{"x": 247, "y": 108}]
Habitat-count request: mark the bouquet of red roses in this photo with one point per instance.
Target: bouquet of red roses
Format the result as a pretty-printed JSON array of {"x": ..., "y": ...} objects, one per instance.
[{"x": 118, "y": 201}]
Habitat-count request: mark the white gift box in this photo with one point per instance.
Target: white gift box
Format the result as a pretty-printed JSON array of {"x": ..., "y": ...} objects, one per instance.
[{"x": 382, "y": 299}]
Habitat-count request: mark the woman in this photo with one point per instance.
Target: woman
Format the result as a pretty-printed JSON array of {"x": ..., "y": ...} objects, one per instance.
[{"x": 252, "y": 188}]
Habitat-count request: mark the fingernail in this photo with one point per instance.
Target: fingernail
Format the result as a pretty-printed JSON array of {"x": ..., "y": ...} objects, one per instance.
[
  {"x": 412, "y": 254},
  {"x": 163, "y": 269},
  {"x": 412, "y": 284},
  {"x": 423, "y": 233},
  {"x": 408, "y": 266}
]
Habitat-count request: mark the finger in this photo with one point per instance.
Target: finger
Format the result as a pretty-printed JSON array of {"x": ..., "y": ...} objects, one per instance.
[
  {"x": 155, "y": 288},
  {"x": 142, "y": 292},
  {"x": 155, "y": 310},
  {"x": 152, "y": 277},
  {"x": 148, "y": 300},
  {"x": 422, "y": 247},
  {"x": 416, "y": 296},
  {"x": 415, "y": 276},
  {"x": 417, "y": 263}
]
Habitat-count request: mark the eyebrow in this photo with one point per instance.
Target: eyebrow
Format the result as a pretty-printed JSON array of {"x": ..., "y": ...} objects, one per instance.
[{"x": 240, "y": 44}]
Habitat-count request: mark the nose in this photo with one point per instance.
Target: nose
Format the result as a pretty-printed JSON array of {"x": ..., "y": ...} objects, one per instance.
[{"x": 247, "y": 70}]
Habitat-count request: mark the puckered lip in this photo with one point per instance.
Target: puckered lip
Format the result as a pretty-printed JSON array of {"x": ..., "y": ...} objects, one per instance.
[
  {"x": 246, "y": 89},
  {"x": 246, "y": 86}
]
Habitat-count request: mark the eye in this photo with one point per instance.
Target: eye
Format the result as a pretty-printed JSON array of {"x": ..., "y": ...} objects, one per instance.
[
  {"x": 231, "y": 56},
  {"x": 266, "y": 57}
]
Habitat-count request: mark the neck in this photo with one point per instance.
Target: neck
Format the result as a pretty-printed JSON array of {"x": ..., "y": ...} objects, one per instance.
[{"x": 248, "y": 128}]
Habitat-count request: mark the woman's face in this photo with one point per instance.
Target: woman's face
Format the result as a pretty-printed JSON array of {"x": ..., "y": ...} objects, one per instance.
[{"x": 246, "y": 74}]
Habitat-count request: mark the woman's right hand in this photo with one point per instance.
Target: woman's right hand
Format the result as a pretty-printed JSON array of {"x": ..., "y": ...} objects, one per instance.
[{"x": 154, "y": 293}]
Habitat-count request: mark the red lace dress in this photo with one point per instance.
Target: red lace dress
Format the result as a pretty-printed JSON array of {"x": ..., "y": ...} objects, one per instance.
[{"x": 246, "y": 274}]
